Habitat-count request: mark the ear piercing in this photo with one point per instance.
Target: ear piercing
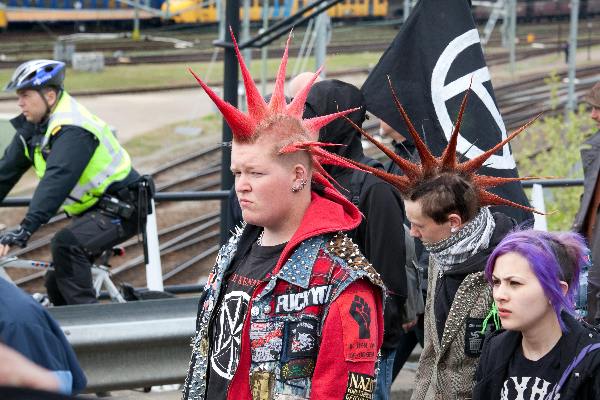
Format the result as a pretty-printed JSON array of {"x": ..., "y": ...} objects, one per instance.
[{"x": 299, "y": 187}]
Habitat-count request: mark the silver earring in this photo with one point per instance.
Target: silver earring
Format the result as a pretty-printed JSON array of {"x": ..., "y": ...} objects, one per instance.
[
  {"x": 453, "y": 229},
  {"x": 299, "y": 187}
]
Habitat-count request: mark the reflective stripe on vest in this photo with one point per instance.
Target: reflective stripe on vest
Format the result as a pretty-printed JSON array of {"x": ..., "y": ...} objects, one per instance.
[{"x": 109, "y": 163}]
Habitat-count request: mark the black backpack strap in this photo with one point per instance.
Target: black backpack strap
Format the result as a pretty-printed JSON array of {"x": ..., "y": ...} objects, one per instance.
[
  {"x": 358, "y": 179},
  {"x": 582, "y": 354}
]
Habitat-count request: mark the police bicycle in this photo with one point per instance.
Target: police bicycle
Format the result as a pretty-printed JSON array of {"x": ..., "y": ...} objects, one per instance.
[{"x": 100, "y": 271}]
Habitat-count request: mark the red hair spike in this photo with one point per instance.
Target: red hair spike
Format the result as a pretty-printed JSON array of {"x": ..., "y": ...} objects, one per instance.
[
  {"x": 316, "y": 123},
  {"x": 428, "y": 161},
  {"x": 277, "y": 103},
  {"x": 449, "y": 156},
  {"x": 257, "y": 107},
  {"x": 431, "y": 166},
  {"x": 240, "y": 123},
  {"x": 477, "y": 162},
  {"x": 296, "y": 107}
]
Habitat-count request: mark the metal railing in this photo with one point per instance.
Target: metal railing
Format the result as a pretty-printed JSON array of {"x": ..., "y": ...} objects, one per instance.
[
  {"x": 160, "y": 196},
  {"x": 131, "y": 345}
]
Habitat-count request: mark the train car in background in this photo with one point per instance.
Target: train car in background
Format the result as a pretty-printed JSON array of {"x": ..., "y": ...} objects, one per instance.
[
  {"x": 205, "y": 11},
  {"x": 60, "y": 11},
  {"x": 198, "y": 11},
  {"x": 539, "y": 10},
  {"x": 591, "y": 7},
  {"x": 3, "y": 20}
]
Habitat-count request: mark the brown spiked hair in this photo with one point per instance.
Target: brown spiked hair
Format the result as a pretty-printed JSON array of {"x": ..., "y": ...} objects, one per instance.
[
  {"x": 246, "y": 127},
  {"x": 431, "y": 167}
]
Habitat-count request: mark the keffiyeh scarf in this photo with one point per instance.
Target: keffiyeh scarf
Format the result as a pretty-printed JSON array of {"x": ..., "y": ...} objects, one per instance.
[{"x": 461, "y": 245}]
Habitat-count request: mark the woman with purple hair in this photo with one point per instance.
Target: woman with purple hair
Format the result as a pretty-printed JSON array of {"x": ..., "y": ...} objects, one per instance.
[{"x": 543, "y": 351}]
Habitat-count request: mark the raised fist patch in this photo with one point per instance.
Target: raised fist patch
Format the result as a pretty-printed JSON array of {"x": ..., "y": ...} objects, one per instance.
[
  {"x": 361, "y": 312},
  {"x": 359, "y": 326}
]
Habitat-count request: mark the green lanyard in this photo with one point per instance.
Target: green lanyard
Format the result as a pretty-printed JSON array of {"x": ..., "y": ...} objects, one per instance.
[{"x": 493, "y": 313}]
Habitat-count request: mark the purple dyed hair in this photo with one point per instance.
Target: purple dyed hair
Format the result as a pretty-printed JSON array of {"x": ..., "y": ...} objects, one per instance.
[{"x": 553, "y": 257}]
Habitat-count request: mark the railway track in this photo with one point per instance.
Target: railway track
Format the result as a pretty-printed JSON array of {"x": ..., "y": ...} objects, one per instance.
[
  {"x": 120, "y": 49},
  {"x": 521, "y": 101},
  {"x": 169, "y": 57},
  {"x": 196, "y": 56}
]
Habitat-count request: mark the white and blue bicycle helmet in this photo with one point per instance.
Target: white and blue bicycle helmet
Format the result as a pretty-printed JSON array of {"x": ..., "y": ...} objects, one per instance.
[{"x": 37, "y": 74}]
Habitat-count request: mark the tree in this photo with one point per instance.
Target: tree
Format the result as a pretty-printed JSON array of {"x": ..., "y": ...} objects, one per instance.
[{"x": 551, "y": 148}]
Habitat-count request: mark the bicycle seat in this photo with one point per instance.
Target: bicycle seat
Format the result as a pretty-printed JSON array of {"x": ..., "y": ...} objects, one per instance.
[{"x": 118, "y": 251}]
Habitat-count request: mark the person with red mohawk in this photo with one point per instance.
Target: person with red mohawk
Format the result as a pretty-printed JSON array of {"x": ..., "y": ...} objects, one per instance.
[
  {"x": 291, "y": 310},
  {"x": 446, "y": 204}
]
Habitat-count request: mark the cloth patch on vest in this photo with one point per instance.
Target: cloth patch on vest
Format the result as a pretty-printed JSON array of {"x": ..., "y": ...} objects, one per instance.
[
  {"x": 266, "y": 340},
  {"x": 297, "y": 368},
  {"x": 473, "y": 336},
  {"x": 359, "y": 325},
  {"x": 294, "y": 302},
  {"x": 359, "y": 386},
  {"x": 261, "y": 384},
  {"x": 301, "y": 339}
]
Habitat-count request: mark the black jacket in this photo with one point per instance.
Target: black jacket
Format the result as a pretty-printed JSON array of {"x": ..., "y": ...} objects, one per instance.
[
  {"x": 448, "y": 283},
  {"x": 71, "y": 149},
  {"x": 20, "y": 393},
  {"x": 380, "y": 236},
  {"x": 28, "y": 328},
  {"x": 590, "y": 157},
  {"x": 583, "y": 383}
]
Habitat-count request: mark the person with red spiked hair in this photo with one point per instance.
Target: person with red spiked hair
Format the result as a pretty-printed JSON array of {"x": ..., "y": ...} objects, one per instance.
[
  {"x": 446, "y": 204},
  {"x": 291, "y": 309}
]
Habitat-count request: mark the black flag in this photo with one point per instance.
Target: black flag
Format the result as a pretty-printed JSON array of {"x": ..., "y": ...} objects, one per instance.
[{"x": 431, "y": 62}]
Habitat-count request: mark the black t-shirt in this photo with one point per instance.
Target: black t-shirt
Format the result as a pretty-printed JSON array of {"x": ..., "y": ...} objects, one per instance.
[
  {"x": 532, "y": 379},
  {"x": 227, "y": 325}
]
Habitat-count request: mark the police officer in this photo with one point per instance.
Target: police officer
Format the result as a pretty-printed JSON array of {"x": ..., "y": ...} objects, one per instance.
[{"x": 84, "y": 171}]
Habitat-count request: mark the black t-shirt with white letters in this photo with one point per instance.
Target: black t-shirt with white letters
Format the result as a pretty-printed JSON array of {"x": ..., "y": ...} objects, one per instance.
[{"x": 533, "y": 380}]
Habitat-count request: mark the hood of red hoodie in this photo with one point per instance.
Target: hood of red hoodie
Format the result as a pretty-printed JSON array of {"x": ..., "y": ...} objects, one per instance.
[{"x": 328, "y": 212}]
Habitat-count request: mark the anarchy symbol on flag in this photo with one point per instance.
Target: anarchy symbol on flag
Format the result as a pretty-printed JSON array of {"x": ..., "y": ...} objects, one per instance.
[{"x": 440, "y": 93}]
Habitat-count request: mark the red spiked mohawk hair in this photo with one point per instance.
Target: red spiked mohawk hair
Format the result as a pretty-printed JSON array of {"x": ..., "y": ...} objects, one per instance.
[
  {"x": 430, "y": 167},
  {"x": 244, "y": 126}
]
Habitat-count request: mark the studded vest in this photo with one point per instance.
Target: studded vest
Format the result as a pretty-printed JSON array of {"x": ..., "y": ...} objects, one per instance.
[{"x": 296, "y": 299}]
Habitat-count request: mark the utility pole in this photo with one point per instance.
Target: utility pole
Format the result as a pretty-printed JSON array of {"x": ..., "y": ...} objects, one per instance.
[
  {"x": 571, "y": 100},
  {"x": 246, "y": 32},
  {"x": 406, "y": 10},
  {"x": 321, "y": 42},
  {"x": 589, "y": 44},
  {"x": 512, "y": 33},
  {"x": 136, "y": 21},
  {"x": 230, "y": 85},
  {"x": 264, "y": 51},
  {"x": 247, "y": 53}
]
